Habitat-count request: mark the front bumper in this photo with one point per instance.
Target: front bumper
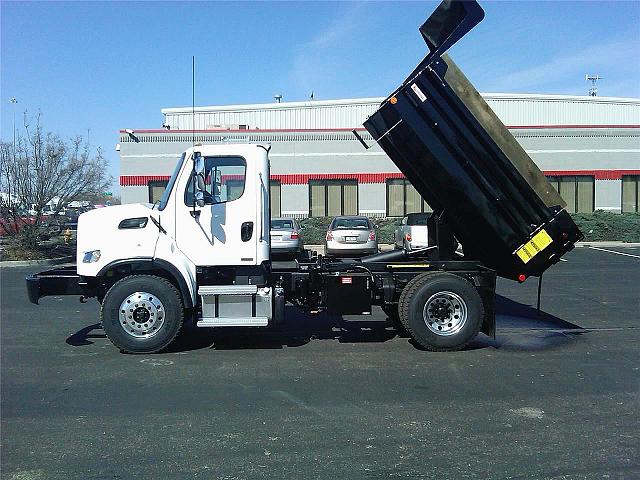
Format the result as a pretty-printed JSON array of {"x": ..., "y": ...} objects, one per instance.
[{"x": 60, "y": 281}]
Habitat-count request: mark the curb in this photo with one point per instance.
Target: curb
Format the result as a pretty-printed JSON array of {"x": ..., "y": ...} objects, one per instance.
[
  {"x": 607, "y": 244},
  {"x": 29, "y": 263}
]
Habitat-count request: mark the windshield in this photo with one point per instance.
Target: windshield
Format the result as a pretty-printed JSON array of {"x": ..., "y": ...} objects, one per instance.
[
  {"x": 281, "y": 225},
  {"x": 169, "y": 187},
  {"x": 350, "y": 223}
]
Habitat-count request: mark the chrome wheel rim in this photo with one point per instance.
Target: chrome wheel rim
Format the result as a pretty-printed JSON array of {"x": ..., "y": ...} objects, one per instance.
[
  {"x": 141, "y": 315},
  {"x": 445, "y": 313}
]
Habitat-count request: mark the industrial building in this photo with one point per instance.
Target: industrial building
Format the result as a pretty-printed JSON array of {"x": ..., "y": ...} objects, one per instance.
[{"x": 589, "y": 147}]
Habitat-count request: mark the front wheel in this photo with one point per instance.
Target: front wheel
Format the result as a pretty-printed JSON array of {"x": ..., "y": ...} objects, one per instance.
[
  {"x": 142, "y": 313},
  {"x": 441, "y": 311}
]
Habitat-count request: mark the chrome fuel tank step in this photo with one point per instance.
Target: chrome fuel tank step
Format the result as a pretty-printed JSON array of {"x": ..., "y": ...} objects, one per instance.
[{"x": 235, "y": 305}]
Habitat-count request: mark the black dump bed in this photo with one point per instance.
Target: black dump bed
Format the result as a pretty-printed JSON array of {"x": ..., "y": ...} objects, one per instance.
[{"x": 460, "y": 157}]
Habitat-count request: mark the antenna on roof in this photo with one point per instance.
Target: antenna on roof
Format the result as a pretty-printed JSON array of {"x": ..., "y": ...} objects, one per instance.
[
  {"x": 311, "y": 96},
  {"x": 193, "y": 100},
  {"x": 193, "y": 131},
  {"x": 593, "y": 91},
  {"x": 278, "y": 97}
]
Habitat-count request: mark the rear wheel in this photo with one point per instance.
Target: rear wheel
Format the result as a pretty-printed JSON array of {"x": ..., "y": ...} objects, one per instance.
[
  {"x": 142, "y": 313},
  {"x": 441, "y": 311}
]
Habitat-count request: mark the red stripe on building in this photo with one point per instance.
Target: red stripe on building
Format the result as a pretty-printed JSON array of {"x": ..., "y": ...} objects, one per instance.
[
  {"x": 597, "y": 174},
  {"x": 303, "y": 178},
  {"x": 139, "y": 180}
]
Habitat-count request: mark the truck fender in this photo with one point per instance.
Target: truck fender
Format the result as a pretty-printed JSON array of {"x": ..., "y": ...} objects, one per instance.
[{"x": 150, "y": 264}]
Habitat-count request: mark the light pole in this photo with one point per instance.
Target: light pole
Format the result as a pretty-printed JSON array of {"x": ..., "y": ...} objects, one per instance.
[{"x": 14, "y": 101}]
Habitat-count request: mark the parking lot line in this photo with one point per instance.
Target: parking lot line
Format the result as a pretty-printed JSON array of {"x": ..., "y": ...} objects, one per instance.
[{"x": 612, "y": 251}]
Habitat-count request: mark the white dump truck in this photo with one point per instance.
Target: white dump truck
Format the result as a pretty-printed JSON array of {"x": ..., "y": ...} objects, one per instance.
[{"x": 202, "y": 254}]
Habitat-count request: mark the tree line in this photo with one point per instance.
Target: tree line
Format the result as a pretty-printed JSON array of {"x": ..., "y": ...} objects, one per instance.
[{"x": 39, "y": 167}]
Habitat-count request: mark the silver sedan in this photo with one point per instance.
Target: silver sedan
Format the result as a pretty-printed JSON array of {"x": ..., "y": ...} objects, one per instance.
[
  {"x": 351, "y": 236},
  {"x": 285, "y": 236}
]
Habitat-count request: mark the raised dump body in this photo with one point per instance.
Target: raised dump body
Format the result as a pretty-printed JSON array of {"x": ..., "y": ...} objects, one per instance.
[{"x": 460, "y": 157}]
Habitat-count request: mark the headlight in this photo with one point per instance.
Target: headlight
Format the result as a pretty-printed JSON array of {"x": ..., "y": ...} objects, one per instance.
[{"x": 90, "y": 257}]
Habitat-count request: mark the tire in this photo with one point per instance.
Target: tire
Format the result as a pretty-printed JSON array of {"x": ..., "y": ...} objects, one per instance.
[
  {"x": 152, "y": 324},
  {"x": 441, "y": 311}
]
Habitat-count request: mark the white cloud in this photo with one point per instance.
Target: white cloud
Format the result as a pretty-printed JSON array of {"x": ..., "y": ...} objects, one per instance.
[
  {"x": 564, "y": 72},
  {"x": 318, "y": 62}
]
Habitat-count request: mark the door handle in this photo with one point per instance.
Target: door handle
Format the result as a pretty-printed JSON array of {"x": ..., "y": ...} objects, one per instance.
[{"x": 246, "y": 231}]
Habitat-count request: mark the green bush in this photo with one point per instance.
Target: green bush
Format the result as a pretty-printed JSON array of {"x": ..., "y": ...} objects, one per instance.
[
  {"x": 596, "y": 226},
  {"x": 608, "y": 226}
]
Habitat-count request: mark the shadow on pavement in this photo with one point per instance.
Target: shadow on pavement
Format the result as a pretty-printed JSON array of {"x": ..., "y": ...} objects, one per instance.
[
  {"x": 519, "y": 327},
  {"x": 83, "y": 337}
]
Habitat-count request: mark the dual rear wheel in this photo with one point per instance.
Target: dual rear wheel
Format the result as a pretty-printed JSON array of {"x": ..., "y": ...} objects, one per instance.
[{"x": 441, "y": 311}]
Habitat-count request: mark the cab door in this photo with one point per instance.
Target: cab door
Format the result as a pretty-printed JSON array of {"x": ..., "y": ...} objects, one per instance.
[{"x": 223, "y": 231}]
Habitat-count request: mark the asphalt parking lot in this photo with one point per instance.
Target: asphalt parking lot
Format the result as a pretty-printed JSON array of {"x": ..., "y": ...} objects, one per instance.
[{"x": 555, "y": 395}]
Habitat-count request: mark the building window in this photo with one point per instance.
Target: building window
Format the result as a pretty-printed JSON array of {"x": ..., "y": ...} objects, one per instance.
[
  {"x": 630, "y": 193},
  {"x": 578, "y": 191},
  {"x": 328, "y": 198},
  {"x": 275, "y": 198},
  {"x": 403, "y": 198},
  {"x": 156, "y": 189}
]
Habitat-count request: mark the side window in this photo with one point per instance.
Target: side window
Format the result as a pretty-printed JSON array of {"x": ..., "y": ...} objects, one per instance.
[{"x": 224, "y": 180}]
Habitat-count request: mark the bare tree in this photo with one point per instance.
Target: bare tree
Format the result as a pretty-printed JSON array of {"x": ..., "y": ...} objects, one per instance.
[{"x": 39, "y": 168}]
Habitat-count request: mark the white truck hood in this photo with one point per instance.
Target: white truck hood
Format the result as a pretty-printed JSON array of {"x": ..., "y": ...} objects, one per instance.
[{"x": 99, "y": 230}]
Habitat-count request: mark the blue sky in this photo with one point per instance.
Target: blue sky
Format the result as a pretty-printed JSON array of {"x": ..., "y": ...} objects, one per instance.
[{"x": 98, "y": 67}]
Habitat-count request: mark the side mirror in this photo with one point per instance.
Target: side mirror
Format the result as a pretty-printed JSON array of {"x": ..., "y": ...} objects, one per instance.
[
  {"x": 199, "y": 186},
  {"x": 199, "y": 164}
]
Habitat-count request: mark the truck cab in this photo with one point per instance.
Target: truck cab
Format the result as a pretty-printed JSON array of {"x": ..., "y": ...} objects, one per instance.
[
  {"x": 205, "y": 244},
  {"x": 214, "y": 212}
]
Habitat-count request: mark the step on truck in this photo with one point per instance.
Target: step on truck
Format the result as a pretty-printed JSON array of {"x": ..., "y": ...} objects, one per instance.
[{"x": 202, "y": 254}]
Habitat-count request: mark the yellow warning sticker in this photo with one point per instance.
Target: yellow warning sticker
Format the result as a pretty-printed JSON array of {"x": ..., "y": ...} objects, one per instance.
[{"x": 539, "y": 242}]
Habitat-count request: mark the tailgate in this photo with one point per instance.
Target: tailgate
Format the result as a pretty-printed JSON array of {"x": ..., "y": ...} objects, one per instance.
[{"x": 448, "y": 142}]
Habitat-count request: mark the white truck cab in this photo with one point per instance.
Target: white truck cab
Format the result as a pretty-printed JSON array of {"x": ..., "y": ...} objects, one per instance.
[
  {"x": 214, "y": 213},
  {"x": 230, "y": 228}
]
